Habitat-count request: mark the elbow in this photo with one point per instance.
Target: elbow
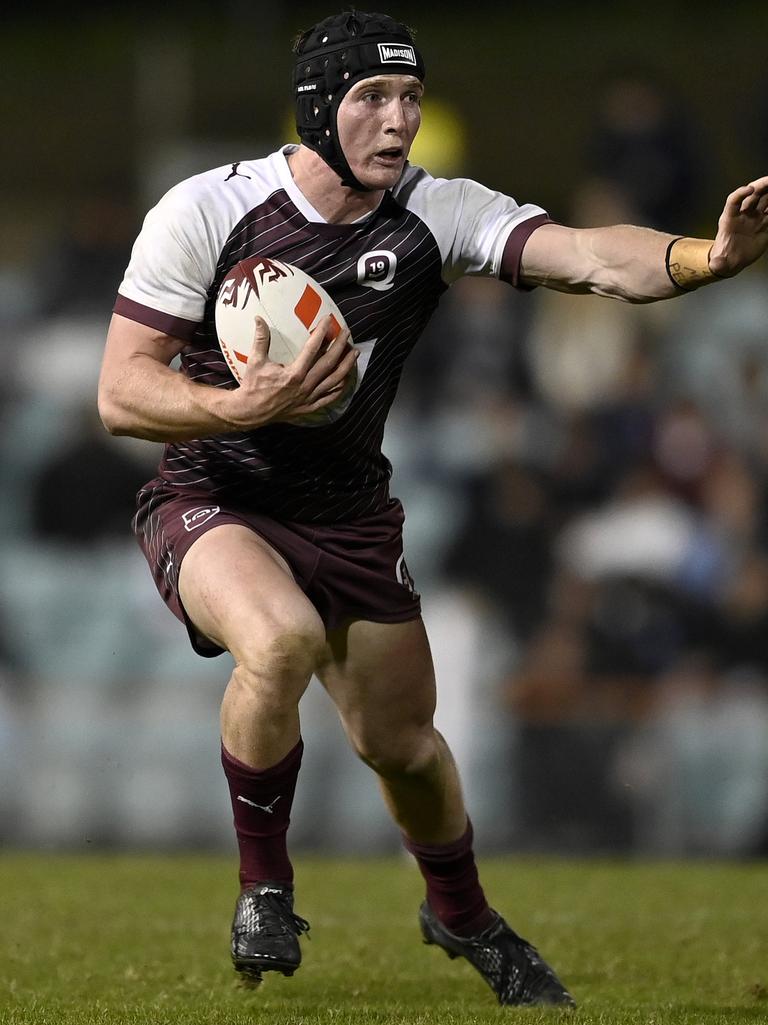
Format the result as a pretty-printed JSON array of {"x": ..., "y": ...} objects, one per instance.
[
  {"x": 112, "y": 423},
  {"x": 112, "y": 415}
]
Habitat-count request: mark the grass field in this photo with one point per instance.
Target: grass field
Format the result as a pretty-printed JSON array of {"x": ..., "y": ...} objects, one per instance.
[{"x": 144, "y": 940}]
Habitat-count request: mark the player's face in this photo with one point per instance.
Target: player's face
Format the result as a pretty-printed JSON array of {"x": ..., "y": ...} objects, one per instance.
[{"x": 377, "y": 121}]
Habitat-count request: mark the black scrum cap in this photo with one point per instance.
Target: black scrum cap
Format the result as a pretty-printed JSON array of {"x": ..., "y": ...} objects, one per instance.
[{"x": 330, "y": 58}]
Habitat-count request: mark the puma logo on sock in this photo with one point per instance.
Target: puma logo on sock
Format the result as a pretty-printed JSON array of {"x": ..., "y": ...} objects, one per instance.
[{"x": 268, "y": 808}]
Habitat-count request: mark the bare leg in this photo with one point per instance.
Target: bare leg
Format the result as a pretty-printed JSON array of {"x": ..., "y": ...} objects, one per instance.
[
  {"x": 241, "y": 594},
  {"x": 381, "y": 678}
]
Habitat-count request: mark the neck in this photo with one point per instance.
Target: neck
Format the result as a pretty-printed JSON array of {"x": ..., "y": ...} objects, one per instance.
[{"x": 322, "y": 187}]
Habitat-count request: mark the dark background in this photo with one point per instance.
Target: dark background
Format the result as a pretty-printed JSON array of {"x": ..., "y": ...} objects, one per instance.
[{"x": 75, "y": 112}]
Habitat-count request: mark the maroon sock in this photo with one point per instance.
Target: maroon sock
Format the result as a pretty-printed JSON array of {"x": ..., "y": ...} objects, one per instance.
[
  {"x": 453, "y": 889},
  {"x": 261, "y": 802}
]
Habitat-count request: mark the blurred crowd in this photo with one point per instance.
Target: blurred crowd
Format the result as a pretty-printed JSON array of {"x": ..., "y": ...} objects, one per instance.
[{"x": 586, "y": 488}]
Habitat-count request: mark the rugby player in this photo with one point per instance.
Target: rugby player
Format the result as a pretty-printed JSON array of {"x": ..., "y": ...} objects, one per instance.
[{"x": 280, "y": 543}]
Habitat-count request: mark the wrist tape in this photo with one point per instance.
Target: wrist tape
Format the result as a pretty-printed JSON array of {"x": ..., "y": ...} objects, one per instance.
[{"x": 687, "y": 263}]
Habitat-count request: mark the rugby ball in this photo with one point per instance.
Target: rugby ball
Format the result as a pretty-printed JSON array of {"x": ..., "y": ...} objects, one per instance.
[{"x": 292, "y": 304}]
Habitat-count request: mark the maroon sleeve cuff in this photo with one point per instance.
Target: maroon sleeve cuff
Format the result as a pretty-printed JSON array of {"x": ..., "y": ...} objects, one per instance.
[
  {"x": 177, "y": 327},
  {"x": 513, "y": 250}
]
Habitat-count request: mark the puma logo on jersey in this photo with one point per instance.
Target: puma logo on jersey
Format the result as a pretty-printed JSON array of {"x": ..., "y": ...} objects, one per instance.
[
  {"x": 235, "y": 173},
  {"x": 377, "y": 269}
]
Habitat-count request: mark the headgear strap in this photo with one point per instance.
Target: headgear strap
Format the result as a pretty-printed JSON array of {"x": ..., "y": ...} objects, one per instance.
[{"x": 331, "y": 58}]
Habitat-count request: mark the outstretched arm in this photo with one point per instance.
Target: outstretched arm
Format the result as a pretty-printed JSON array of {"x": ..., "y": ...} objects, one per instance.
[{"x": 641, "y": 265}]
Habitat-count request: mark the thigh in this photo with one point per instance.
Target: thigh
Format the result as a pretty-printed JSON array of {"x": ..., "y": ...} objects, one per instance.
[
  {"x": 381, "y": 678},
  {"x": 240, "y": 593}
]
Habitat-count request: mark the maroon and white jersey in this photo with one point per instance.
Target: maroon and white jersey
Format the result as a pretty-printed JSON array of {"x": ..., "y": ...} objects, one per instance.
[{"x": 386, "y": 272}]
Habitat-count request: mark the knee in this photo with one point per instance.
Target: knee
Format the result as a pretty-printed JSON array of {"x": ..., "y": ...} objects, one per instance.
[
  {"x": 407, "y": 753},
  {"x": 281, "y": 658}
]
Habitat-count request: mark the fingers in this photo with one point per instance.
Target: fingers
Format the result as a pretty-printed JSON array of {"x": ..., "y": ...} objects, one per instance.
[
  {"x": 761, "y": 195},
  {"x": 749, "y": 198},
  {"x": 329, "y": 377},
  {"x": 316, "y": 378},
  {"x": 260, "y": 349},
  {"x": 314, "y": 345},
  {"x": 339, "y": 355},
  {"x": 332, "y": 383},
  {"x": 734, "y": 204},
  {"x": 315, "y": 402}
]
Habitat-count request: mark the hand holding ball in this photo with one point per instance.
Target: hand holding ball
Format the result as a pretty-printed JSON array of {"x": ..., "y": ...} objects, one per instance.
[{"x": 291, "y": 304}]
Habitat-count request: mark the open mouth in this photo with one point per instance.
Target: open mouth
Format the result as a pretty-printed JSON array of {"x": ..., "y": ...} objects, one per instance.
[{"x": 392, "y": 153}]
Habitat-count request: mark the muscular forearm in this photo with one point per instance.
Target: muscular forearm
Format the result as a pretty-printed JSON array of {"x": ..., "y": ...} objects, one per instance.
[
  {"x": 152, "y": 401},
  {"x": 629, "y": 263},
  {"x": 623, "y": 261},
  {"x": 640, "y": 265}
]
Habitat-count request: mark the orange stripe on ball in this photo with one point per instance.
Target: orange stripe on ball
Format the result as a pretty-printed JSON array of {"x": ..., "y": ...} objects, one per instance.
[
  {"x": 335, "y": 328},
  {"x": 306, "y": 308}
]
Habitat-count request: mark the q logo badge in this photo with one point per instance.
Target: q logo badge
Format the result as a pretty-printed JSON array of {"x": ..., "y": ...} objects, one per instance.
[{"x": 377, "y": 269}]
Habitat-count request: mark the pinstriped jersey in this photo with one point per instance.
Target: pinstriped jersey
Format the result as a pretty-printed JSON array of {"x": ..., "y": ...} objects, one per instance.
[{"x": 386, "y": 272}]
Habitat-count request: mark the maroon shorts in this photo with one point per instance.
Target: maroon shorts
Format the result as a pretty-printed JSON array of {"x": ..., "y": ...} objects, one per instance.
[{"x": 348, "y": 571}]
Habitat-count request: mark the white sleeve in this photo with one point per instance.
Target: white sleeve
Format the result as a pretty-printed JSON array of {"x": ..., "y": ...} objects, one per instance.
[
  {"x": 173, "y": 260},
  {"x": 470, "y": 222}
]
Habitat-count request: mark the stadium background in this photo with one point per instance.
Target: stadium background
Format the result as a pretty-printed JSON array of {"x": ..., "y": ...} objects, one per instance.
[{"x": 586, "y": 484}]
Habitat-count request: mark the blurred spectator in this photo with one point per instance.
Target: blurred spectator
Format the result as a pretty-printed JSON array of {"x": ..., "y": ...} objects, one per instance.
[
  {"x": 742, "y": 631},
  {"x": 716, "y": 353},
  {"x": 85, "y": 492},
  {"x": 698, "y": 772},
  {"x": 504, "y": 547},
  {"x": 685, "y": 448},
  {"x": 642, "y": 531},
  {"x": 580, "y": 352},
  {"x": 580, "y": 474},
  {"x": 471, "y": 352},
  {"x": 567, "y": 731},
  {"x": 83, "y": 266},
  {"x": 644, "y": 143}
]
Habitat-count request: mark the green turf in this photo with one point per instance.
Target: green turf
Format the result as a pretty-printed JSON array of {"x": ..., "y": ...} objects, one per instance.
[{"x": 144, "y": 940}]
